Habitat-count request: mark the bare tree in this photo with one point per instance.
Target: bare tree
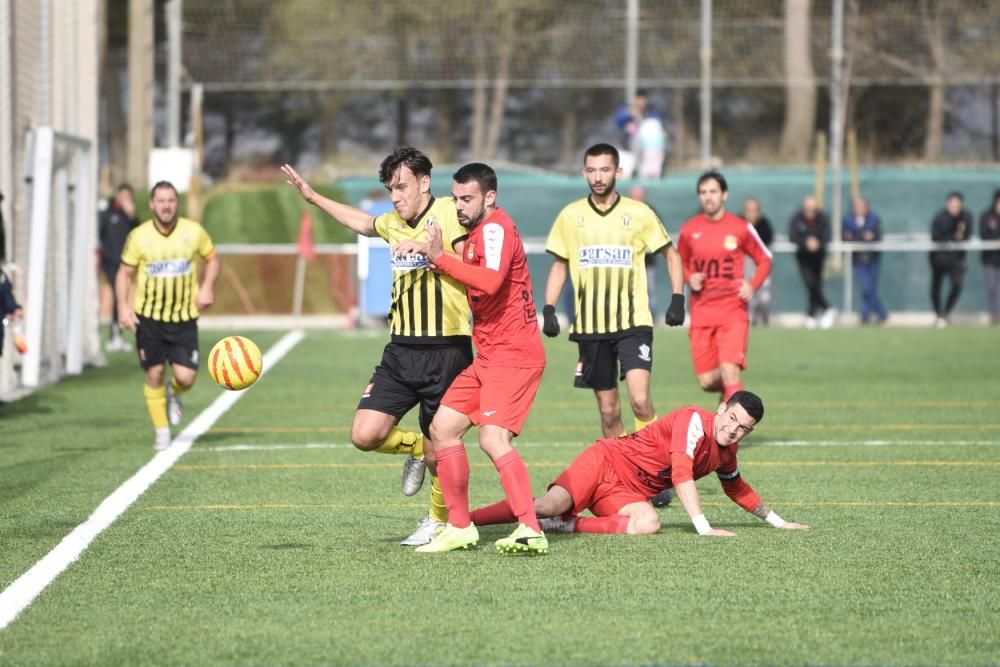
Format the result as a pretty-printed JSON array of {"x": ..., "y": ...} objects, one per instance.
[
  {"x": 932, "y": 17},
  {"x": 800, "y": 83}
]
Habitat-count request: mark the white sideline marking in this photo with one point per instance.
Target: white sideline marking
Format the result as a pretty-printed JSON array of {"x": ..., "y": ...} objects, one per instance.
[
  {"x": 16, "y": 597},
  {"x": 870, "y": 443}
]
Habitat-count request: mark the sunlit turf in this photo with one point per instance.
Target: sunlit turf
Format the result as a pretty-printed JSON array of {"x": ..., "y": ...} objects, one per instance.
[{"x": 254, "y": 549}]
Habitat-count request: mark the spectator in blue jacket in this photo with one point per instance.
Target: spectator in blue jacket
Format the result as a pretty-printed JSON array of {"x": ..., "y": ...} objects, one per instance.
[{"x": 864, "y": 226}]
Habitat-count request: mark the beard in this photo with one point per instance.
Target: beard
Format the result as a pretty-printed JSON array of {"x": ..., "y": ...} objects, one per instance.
[{"x": 608, "y": 185}]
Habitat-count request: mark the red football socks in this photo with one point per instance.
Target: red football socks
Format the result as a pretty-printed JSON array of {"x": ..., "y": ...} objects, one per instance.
[
  {"x": 729, "y": 389},
  {"x": 496, "y": 513},
  {"x": 517, "y": 485},
  {"x": 609, "y": 525},
  {"x": 453, "y": 474}
]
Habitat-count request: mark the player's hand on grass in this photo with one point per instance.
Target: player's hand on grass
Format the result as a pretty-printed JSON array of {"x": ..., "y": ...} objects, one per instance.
[
  {"x": 718, "y": 532},
  {"x": 550, "y": 323},
  {"x": 696, "y": 281},
  {"x": 298, "y": 183},
  {"x": 791, "y": 525},
  {"x": 675, "y": 311}
]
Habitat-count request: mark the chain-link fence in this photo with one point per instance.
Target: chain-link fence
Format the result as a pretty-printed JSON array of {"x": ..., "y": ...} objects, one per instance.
[{"x": 534, "y": 81}]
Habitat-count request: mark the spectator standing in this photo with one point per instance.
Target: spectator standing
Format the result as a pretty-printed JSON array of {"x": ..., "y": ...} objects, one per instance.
[
  {"x": 989, "y": 230},
  {"x": 760, "y": 303},
  {"x": 809, "y": 230},
  {"x": 863, "y": 225},
  {"x": 10, "y": 313},
  {"x": 114, "y": 224},
  {"x": 953, "y": 223}
]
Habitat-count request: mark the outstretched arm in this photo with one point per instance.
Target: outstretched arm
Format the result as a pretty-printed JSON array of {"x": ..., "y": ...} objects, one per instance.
[
  {"x": 353, "y": 218},
  {"x": 687, "y": 492},
  {"x": 743, "y": 495},
  {"x": 765, "y": 513}
]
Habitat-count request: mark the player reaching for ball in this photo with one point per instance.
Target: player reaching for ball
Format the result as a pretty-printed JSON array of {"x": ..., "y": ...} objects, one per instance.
[
  {"x": 615, "y": 477},
  {"x": 163, "y": 304},
  {"x": 495, "y": 393},
  {"x": 428, "y": 322}
]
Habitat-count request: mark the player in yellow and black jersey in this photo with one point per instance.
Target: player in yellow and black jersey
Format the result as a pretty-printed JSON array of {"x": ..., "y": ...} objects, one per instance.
[
  {"x": 163, "y": 307},
  {"x": 428, "y": 321},
  {"x": 601, "y": 242}
]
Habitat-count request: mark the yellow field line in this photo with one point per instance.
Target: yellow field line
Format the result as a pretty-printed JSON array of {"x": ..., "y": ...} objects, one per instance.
[
  {"x": 558, "y": 464},
  {"x": 589, "y": 405},
  {"x": 590, "y": 428},
  {"x": 710, "y": 503}
]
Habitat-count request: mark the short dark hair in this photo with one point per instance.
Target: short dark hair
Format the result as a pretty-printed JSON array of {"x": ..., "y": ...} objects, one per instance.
[
  {"x": 750, "y": 402},
  {"x": 408, "y": 157},
  {"x": 996, "y": 197},
  {"x": 162, "y": 185},
  {"x": 603, "y": 149},
  {"x": 956, "y": 195},
  {"x": 712, "y": 175},
  {"x": 124, "y": 187},
  {"x": 482, "y": 174}
]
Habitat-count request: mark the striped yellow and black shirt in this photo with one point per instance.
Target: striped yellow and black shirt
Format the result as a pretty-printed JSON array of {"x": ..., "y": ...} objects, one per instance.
[
  {"x": 606, "y": 251},
  {"x": 427, "y": 307},
  {"x": 167, "y": 284}
]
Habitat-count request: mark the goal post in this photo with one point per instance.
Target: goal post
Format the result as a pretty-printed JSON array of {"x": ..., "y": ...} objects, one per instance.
[{"x": 60, "y": 301}]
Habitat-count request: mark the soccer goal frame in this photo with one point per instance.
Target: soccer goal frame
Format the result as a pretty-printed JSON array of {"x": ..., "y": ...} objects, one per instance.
[{"x": 61, "y": 214}]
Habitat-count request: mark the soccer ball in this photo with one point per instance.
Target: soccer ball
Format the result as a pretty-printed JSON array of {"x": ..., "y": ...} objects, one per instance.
[{"x": 235, "y": 363}]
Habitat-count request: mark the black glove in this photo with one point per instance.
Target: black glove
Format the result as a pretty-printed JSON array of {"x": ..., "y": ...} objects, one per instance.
[
  {"x": 675, "y": 313},
  {"x": 550, "y": 323}
]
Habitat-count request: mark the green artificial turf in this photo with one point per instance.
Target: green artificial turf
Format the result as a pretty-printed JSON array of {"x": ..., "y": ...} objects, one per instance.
[{"x": 885, "y": 441}]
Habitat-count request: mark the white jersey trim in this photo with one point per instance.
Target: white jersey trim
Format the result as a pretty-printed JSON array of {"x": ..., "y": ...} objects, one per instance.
[
  {"x": 696, "y": 431},
  {"x": 753, "y": 232},
  {"x": 493, "y": 235}
]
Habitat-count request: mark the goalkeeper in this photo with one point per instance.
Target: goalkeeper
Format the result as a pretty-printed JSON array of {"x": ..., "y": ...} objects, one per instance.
[{"x": 614, "y": 477}]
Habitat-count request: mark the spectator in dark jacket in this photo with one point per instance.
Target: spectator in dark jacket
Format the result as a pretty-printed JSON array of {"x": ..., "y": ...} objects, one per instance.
[
  {"x": 114, "y": 225},
  {"x": 989, "y": 230},
  {"x": 864, "y": 226},
  {"x": 10, "y": 310},
  {"x": 954, "y": 223},
  {"x": 809, "y": 230},
  {"x": 760, "y": 303}
]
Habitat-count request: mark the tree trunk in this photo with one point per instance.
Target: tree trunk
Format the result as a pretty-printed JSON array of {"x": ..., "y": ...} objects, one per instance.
[
  {"x": 500, "y": 85},
  {"x": 935, "y": 105},
  {"x": 569, "y": 146},
  {"x": 800, "y": 83},
  {"x": 680, "y": 127},
  {"x": 329, "y": 104},
  {"x": 444, "y": 128},
  {"x": 478, "y": 110}
]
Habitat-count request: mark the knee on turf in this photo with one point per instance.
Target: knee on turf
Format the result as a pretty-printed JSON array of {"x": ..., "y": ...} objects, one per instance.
[{"x": 645, "y": 524}]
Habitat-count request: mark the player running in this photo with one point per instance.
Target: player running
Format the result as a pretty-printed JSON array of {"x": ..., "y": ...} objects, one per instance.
[
  {"x": 160, "y": 299},
  {"x": 712, "y": 246},
  {"x": 601, "y": 242},
  {"x": 495, "y": 393},
  {"x": 614, "y": 477},
  {"x": 428, "y": 322}
]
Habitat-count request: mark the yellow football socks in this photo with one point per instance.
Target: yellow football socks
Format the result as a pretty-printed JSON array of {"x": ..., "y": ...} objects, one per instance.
[
  {"x": 156, "y": 403},
  {"x": 403, "y": 442},
  {"x": 177, "y": 388},
  {"x": 438, "y": 511},
  {"x": 639, "y": 424}
]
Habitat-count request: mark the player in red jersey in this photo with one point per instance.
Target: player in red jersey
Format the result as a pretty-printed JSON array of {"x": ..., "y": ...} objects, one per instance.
[
  {"x": 495, "y": 393},
  {"x": 614, "y": 477},
  {"x": 712, "y": 246}
]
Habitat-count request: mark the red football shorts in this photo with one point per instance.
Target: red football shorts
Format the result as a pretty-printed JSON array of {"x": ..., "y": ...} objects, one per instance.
[
  {"x": 594, "y": 485},
  {"x": 725, "y": 343},
  {"x": 495, "y": 395}
]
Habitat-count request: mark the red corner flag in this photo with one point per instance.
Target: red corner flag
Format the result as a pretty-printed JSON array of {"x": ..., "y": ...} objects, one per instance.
[{"x": 306, "y": 247}]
